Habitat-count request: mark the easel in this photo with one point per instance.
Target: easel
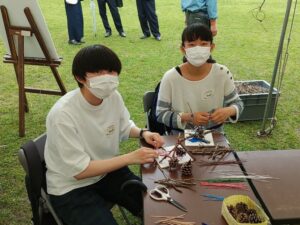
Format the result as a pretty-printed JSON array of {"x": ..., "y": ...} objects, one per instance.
[{"x": 19, "y": 61}]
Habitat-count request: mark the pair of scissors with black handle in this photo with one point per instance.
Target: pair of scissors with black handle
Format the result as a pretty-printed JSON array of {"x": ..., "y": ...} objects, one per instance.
[{"x": 161, "y": 193}]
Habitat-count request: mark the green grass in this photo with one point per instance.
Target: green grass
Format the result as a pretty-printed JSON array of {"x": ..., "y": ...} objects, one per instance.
[{"x": 243, "y": 44}]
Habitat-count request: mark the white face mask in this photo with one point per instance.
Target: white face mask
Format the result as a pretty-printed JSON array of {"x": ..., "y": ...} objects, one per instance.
[
  {"x": 103, "y": 86},
  {"x": 197, "y": 55}
]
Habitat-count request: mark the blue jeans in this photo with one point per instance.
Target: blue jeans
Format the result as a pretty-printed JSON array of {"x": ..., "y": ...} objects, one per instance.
[{"x": 88, "y": 205}]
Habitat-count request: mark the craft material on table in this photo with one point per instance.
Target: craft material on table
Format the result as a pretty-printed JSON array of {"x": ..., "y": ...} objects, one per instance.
[
  {"x": 163, "y": 159},
  {"x": 215, "y": 163},
  {"x": 225, "y": 185},
  {"x": 212, "y": 197},
  {"x": 225, "y": 180},
  {"x": 177, "y": 183},
  {"x": 161, "y": 193},
  {"x": 190, "y": 140},
  {"x": 173, "y": 220}
]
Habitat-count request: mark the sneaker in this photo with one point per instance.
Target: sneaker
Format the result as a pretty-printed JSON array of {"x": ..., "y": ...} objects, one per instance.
[
  {"x": 158, "y": 38},
  {"x": 74, "y": 42},
  {"x": 82, "y": 41},
  {"x": 144, "y": 36},
  {"x": 122, "y": 34},
  {"x": 107, "y": 34}
]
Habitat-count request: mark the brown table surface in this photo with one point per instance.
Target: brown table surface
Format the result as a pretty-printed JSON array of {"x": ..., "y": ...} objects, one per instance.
[
  {"x": 199, "y": 210},
  {"x": 280, "y": 198}
]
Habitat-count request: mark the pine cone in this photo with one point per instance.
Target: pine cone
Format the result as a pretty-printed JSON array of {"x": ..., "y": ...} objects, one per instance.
[
  {"x": 232, "y": 211},
  {"x": 180, "y": 151},
  {"x": 241, "y": 207},
  {"x": 254, "y": 218},
  {"x": 186, "y": 168},
  {"x": 242, "y": 218},
  {"x": 173, "y": 163},
  {"x": 251, "y": 211}
]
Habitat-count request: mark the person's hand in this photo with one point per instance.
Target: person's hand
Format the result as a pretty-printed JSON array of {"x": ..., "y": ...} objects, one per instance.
[
  {"x": 142, "y": 155},
  {"x": 200, "y": 118},
  {"x": 213, "y": 27},
  {"x": 221, "y": 115},
  {"x": 214, "y": 30},
  {"x": 153, "y": 139}
]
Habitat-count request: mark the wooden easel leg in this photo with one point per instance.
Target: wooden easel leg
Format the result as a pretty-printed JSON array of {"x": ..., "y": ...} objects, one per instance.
[
  {"x": 58, "y": 80},
  {"x": 20, "y": 68},
  {"x": 26, "y": 102}
]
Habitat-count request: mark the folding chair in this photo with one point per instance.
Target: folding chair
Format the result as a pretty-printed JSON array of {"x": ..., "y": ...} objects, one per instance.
[
  {"x": 31, "y": 157},
  {"x": 147, "y": 102}
]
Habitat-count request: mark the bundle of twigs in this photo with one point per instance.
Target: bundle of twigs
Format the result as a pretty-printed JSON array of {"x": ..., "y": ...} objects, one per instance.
[
  {"x": 216, "y": 163},
  {"x": 175, "y": 183},
  {"x": 217, "y": 152},
  {"x": 173, "y": 220},
  {"x": 237, "y": 176}
]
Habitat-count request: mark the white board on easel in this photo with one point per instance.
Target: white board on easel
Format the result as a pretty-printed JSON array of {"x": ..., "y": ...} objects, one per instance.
[{"x": 17, "y": 17}]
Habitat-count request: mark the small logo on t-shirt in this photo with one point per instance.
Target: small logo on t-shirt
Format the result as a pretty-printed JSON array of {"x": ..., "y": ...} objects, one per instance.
[
  {"x": 207, "y": 94},
  {"x": 110, "y": 129}
]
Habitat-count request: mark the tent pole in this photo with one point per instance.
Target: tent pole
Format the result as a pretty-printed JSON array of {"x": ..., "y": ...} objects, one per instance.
[{"x": 263, "y": 130}]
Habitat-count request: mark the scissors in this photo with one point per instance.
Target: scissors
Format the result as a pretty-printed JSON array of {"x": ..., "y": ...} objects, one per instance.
[
  {"x": 211, "y": 197},
  {"x": 161, "y": 193}
]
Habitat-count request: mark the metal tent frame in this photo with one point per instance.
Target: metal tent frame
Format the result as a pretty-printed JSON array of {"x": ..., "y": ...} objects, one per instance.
[{"x": 266, "y": 131}]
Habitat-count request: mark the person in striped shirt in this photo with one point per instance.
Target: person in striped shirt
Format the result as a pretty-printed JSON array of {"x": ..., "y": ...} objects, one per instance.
[{"x": 197, "y": 92}]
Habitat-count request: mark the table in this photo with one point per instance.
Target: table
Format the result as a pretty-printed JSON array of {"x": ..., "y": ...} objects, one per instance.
[
  {"x": 279, "y": 198},
  {"x": 199, "y": 210}
]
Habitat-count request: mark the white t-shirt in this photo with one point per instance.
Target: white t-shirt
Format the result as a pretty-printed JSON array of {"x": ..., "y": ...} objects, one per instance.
[{"x": 78, "y": 132}]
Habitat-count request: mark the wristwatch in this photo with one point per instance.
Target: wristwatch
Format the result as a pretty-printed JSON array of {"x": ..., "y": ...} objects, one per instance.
[{"x": 142, "y": 131}]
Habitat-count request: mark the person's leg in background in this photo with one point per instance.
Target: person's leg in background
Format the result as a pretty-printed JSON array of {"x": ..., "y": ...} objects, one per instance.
[
  {"x": 142, "y": 18},
  {"x": 75, "y": 23},
  {"x": 110, "y": 188},
  {"x": 102, "y": 11},
  {"x": 151, "y": 16},
  {"x": 116, "y": 17},
  {"x": 82, "y": 206}
]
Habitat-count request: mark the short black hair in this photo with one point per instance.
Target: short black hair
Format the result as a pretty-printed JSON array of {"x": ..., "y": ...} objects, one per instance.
[
  {"x": 93, "y": 59},
  {"x": 196, "y": 31}
]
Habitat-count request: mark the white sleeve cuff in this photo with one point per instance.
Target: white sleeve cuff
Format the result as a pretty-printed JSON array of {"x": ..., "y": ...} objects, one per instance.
[
  {"x": 236, "y": 115},
  {"x": 179, "y": 123}
]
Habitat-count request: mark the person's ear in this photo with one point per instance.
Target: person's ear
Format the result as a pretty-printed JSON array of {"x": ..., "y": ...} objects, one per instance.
[
  {"x": 182, "y": 50},
  {"x": 80, "y": 80}
]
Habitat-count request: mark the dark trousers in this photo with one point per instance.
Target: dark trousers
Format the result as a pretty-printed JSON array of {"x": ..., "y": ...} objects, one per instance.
[
  {"x": 114, "y": 12},
  {"x": 88, "y": 205},
  {"x": 75, "y": 21},
  {"x": 148, "y": 17},
  {"x": 197, "y": 17}
]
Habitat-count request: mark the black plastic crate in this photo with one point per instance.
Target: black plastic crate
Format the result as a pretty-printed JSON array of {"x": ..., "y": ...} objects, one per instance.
[{"x": 255, "y": 103}]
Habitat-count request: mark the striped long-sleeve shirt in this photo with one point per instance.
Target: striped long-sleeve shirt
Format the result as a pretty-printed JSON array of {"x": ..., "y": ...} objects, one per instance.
[{"x": 178, "y": 95}]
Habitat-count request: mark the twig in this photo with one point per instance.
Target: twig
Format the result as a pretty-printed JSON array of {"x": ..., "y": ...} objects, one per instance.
[
  {"x": 186, "y": 183},
  {"x": 168, "y": 218},
  {"x": 214, "y": 163},
  {"x": 171, "y": 220}
]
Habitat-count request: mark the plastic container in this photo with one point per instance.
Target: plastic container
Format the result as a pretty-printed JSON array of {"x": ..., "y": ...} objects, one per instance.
[
  {"x": 255, "y": 103},
  {"x": 233, "y": 200}
]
